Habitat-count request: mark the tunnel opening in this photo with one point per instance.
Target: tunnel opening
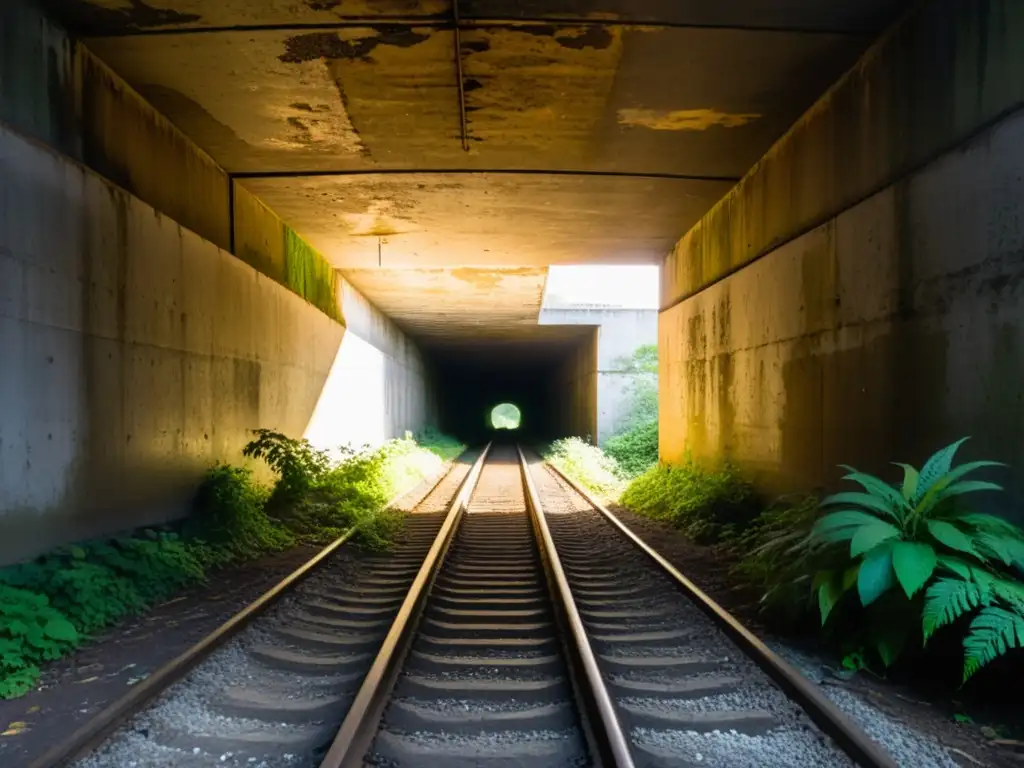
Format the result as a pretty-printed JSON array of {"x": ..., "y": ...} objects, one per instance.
[{"x": 505, "y": 416}]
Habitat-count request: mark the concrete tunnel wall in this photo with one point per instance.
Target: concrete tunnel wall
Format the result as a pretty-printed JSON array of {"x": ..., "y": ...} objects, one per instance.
[
  {"x": 136, "y": 350},
  {"x": 572, "y": 390},
  {"x": 859, "y": 296}
]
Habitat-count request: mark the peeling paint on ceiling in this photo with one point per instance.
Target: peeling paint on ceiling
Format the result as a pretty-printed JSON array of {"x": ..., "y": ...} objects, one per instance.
[{"x": 684, "y": 119}]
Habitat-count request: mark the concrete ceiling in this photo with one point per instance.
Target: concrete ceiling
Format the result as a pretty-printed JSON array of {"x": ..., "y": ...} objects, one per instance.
[
  {"x": 583, "y": 131},
  {"x": 495, "y": 308}
]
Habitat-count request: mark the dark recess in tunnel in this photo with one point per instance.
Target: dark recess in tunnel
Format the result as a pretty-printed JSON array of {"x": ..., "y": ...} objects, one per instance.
[
  {"x": 473, "y": 379},
  {"x": 468, "y": 389}
]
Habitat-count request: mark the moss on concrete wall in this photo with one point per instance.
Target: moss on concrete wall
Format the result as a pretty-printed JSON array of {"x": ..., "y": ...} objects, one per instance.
[{"x": 310, "y": 275}]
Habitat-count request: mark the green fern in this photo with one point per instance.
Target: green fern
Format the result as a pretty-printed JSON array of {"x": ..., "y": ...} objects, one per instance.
[
  {"x": 947, "y": 600},
  {"x": 993, "y": 633}
]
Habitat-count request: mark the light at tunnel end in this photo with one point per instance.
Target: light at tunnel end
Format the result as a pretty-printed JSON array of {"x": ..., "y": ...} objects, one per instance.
[{"x": 505, "y": 416}]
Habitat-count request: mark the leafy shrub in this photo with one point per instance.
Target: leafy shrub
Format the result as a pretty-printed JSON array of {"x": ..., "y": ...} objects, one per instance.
[
  {"x": 31, "y": 632},
  {"x": 98, "y": 582},
  {"x": 587, "y": 464},
  {"x": 230, "y": 519},
  {"x": 771, "y": 555},
  {"x": 298, "y": 464},
  {"x": 702, "y": 503},
  {"x": 921, "y": 539},
  {"x": 636, "y": 449},
  {"x": 49, "y": 605}
]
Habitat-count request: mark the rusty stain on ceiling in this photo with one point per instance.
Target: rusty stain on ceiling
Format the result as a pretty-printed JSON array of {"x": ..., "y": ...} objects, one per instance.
[
  {"x": 489, "y": 279},
  {"x": 380, "y": 219},
  {"x": 684, "y": 119},
  {"x": 540, "y": 89}
]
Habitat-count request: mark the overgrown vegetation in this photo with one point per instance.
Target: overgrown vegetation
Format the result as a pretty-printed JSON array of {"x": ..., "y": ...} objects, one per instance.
[
  {"x": 881, "y": 570},
  {"x": 588, "y": 465},
  {"x": 634, "y": 447},
  {"x": 700, "y": 502},
  {"x": 49, "y": 606},
  {"x": 914, "y": 558}
]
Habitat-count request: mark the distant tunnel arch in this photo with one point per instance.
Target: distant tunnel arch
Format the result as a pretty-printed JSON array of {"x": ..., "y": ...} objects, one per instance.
[{"x": 505, "y": 416}]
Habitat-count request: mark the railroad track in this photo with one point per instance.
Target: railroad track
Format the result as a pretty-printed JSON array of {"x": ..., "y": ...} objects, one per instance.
[
  {"x": 525, "y": 627},
  {"x": 270, "y": 687}
]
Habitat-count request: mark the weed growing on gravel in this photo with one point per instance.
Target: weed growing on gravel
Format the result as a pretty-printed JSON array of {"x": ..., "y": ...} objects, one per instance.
[
  {"x": 322, "y": 498},
  {"x": 882, "y": 566},
  {"x": 588, "y": 465},
  {"x": 441, "y": 445},
  {"x": 700, "y": 502}
]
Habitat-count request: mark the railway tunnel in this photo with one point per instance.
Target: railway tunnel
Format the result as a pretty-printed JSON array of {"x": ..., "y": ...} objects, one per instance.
[{"x": 338, "y": 219}]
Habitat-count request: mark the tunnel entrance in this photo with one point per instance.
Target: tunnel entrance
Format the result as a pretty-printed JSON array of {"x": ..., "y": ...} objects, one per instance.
[{"x": 506, "y": 416}]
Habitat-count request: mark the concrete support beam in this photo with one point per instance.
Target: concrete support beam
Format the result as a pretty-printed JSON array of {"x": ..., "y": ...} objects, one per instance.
[
  {"x": 574, "y": 388},
  {"x": 619, "y": 333},
  {"x": 859, "y": 297}
]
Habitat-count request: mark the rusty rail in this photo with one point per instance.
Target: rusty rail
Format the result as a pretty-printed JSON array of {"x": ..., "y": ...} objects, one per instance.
[{"x": 850, "y": 737}]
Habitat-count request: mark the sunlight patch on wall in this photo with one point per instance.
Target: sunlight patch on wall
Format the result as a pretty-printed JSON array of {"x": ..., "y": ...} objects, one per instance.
[{"x": 351, "y": 408}]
